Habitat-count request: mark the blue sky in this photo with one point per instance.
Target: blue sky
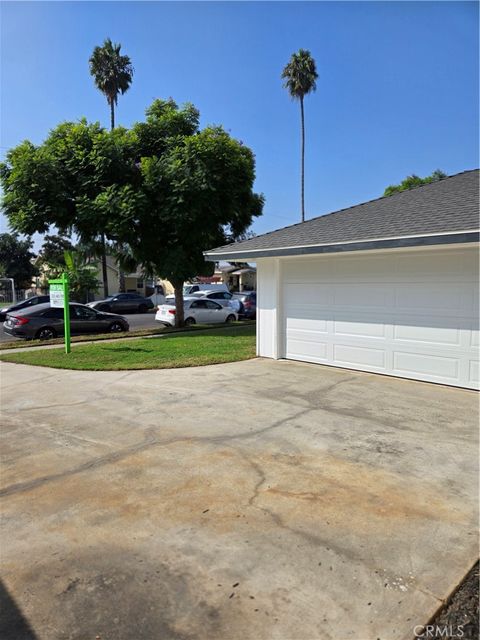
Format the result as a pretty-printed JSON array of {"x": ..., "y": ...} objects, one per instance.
[{"x": 397, "y": 92}]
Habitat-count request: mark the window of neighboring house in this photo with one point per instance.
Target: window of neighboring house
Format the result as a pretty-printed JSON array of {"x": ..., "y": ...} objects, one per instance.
[{"x": 139, "y": 283}]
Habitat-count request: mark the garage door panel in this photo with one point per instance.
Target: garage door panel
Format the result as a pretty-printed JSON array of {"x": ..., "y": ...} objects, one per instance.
[
  {"x": 474, "y": 372},
  {"x": 358, "y": 357},
  {"x": 445, "y": 266},
  {"x": 312, "y": 323},
  {"x": 418, "y": 363},
  {"x": 308, "y": 350},
  {"x": 427, "y": 334},
  {"x": 363, "y": 295},
  {"x": 400, "y": 315},
  {"x": 419, "y": 297},
  {"x": 359, "y": 329},
  {"x": 308, "y": 294}
]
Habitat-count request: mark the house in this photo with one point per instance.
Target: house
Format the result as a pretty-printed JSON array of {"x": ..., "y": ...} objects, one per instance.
[
  {"x": 237, "y": 276},
  {"x": 389, "y": 286},
  {"x": 135, "y": 282}
]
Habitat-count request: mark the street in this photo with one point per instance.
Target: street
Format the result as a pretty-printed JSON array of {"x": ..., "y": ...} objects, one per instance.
[{"x": 135, "y": 320}]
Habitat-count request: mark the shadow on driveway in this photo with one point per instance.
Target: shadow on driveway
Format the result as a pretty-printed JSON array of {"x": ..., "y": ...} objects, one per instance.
[{"x": 13, "y": 624}]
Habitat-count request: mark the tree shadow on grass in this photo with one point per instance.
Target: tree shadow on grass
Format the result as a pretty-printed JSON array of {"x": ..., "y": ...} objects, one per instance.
[{"x": 13, "y": 624}]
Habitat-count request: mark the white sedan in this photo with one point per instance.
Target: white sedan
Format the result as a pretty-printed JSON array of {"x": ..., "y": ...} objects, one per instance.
[{"x": 196, "y": 311}]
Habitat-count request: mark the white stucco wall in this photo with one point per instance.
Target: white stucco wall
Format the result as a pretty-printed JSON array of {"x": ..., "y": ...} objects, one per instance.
[{"x": 268, "y": 307}]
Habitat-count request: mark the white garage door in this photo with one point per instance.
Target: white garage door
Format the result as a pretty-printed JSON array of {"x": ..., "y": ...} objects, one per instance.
[{"x": 408, "y": 314}]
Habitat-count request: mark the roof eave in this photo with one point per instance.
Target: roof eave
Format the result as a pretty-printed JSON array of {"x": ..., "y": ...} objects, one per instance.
[{"x": 361, "y": 245}]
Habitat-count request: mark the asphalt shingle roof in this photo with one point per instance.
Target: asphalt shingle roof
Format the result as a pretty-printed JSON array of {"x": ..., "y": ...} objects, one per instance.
[{"x": 449, "y": 205}]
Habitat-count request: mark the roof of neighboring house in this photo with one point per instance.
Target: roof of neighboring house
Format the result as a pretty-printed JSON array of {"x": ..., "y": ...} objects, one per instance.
[
  {"x": 448, "y": 207},
  {"x": 240, "y": 272}
]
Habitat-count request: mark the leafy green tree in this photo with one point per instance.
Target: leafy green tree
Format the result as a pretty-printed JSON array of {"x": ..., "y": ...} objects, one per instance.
[
  {"x": 113, "y": 74},
  {"x": 58, "y": 255},
  {"x": 195, "y": 192},
  {"x": 413, "y": 181},
  {"x": 64, "y": 181},
  {"x": 16, "y": 260},
  {"x": 82, "y": 277},
  {"x": 53, "y": 250},
  {"x": 300, "y": 76},
  {"x": 162, "y": 192}
]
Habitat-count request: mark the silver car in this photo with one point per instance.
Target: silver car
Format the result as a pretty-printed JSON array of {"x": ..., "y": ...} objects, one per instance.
[
  {"x": 225, "y": 298},
  {"x": 197, "y": 310}
]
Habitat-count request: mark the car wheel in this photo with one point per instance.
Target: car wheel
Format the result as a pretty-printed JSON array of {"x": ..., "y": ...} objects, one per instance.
[
  {"x": 116, "y": 327},
  {"x": 230, "y": 318},
  {"x": 46, "y": 333},
  {"x": 189, "y": 321},
  {"x": 142, "y": 308}
]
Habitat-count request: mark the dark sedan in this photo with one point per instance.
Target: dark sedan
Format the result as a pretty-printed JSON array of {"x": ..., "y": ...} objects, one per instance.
[
  {"x": 45, "y": 322},
  {"x": 123, "y": 303},
  {"x": 23, "y": 304}
]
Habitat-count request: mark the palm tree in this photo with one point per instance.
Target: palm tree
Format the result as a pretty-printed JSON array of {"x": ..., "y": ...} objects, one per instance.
[
  {"x": 113, "y": 74},
  {"x": 300, "y": 76}
]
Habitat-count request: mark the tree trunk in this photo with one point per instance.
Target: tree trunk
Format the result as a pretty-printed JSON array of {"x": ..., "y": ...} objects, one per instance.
[
  {"x": 104, "y": 267},
  {"x": 121, "y": 281},
  {"x": 179, "y": 313},
  {"x": 112, "y": 115},
  {"x": 303, "y": 159}
]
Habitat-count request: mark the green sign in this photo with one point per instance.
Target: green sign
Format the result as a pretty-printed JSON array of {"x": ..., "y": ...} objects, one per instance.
[{"x": 59, "y": 298}]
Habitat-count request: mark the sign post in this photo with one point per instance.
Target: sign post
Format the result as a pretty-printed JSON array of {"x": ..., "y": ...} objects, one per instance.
[{"x": 59, "y": 298}]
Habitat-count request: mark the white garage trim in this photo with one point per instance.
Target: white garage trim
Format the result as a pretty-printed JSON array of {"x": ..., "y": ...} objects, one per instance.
[{"x": 410, "y": 314}]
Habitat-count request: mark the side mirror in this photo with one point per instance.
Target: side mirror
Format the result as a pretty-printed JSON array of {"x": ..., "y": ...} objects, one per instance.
[{"x": 114, "y": 299}]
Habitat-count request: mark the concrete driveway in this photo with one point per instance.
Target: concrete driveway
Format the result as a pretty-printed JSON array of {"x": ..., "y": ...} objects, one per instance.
[{"x": 251, "y": 501}]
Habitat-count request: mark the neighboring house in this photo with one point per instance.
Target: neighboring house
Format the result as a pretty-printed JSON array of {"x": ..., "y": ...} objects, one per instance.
[
  {"x": 389, "y": 286},
  {"x": 239, "y": 277},
  {"x": 134, "y": 282}
]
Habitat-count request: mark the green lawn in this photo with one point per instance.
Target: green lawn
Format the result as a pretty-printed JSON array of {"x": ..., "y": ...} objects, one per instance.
[{"x": 169, "y": 351}]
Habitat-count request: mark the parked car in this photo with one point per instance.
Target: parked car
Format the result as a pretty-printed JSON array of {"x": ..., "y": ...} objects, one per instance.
[
  {"x": 45, "y": 322},
  {"x": 196, "y": 311},
  {"x": 124, "y": 303},
  {"x": 23, "y": 304},
  {"x": 225, "y": 298},
  {"x": 159, "y": 296},
  {"x": 188, "y": 289},
  {"x": 248, "y": 300}
]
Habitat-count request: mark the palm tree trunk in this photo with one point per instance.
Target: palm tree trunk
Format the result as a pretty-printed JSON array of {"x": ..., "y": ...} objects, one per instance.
[
  {"x": 112, "y": 115},
  {"x": 303, "y": 159},
  {"x": 104, "y": 267}
]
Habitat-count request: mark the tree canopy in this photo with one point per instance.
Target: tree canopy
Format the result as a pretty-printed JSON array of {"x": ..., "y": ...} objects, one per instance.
[
  {"x": 52, "y": 251},
  {"x": 16, "y": 260},
  {"x": 414, "y": 181},
  {"x": 300, "y": 74},
  {"x": 163, "y": 191}
]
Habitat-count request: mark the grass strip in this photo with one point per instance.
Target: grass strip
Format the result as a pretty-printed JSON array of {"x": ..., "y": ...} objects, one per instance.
[{"x": 173, "y": 350}]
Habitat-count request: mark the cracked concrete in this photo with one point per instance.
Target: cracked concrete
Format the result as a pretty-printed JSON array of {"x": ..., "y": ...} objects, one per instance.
[{"x": 249, "y": 501}]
